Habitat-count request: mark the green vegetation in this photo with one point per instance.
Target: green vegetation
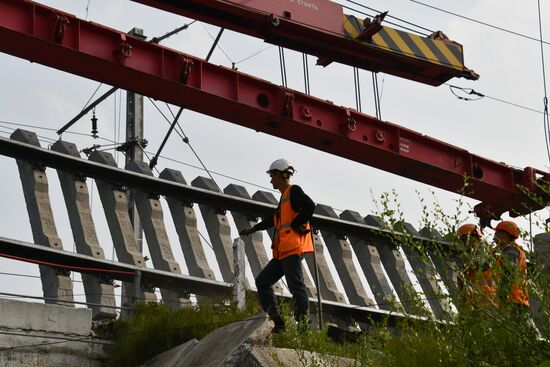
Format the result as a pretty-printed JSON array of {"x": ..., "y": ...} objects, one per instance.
[
  {"x": 476, "y": 334},
  {"x": 154, "y": 328}
]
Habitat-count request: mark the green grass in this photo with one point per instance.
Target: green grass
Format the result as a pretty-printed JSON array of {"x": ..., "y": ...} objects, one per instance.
[{"x": 154, "y": 328}]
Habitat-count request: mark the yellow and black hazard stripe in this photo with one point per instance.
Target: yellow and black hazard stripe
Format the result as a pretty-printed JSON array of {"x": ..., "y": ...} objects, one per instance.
[{"x": 408, "y": 44}]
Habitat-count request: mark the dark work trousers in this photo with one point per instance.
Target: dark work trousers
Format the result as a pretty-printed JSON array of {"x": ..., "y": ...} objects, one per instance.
[{"x": 291, "y": 268}]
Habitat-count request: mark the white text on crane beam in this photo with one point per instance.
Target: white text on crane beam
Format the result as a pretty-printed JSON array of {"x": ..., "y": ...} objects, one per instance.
[{"x": 305, "y": 4}]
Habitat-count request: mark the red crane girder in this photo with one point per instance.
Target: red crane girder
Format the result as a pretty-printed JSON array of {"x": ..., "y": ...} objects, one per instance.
[
  {"x": 320, "y": 28},
  {"x": 60, "y": 40}
]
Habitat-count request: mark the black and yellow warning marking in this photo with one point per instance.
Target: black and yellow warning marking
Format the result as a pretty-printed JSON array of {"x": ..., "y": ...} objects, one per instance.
[{"x": 408, "y": 44}]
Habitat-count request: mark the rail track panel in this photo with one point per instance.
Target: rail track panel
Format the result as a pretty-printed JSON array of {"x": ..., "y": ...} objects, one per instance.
[{"x": 363, "y": 258}]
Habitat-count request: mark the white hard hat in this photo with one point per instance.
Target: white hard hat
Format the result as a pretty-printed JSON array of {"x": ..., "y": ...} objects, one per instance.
[{"x": 280, "y": 165}]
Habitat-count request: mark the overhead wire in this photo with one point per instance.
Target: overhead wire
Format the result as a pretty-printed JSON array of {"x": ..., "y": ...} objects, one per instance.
[
  {"x": 113, "y": 145},
  {"x": 87, "y": 9},
  {"x": 50, "y": 129},
  {"x": 470, "y": 91},
  {"x": 387, "y": 22},
  {"x": 92, "y": 96},
  {"x": 378, "y": 304},
  {"x": 43, "y": 139},
  {"x": 254, "y": 54},
  {"x": 86, "y": 339},
  {"x": 185, "y": 139},
  {"x": 546, "y": 118},
  {"x": 479, "y": 22},
  {"x": 391, "y": 16},
  {"x": 57, "y": 300},
  {"x": 217, "y": 44}
]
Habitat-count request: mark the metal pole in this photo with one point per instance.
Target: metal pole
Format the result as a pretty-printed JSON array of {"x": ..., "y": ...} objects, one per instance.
[
  {"x": 134, "y": 131},
  {"x": 319, "y": 300},
  {"x": 239, "y": 294}
]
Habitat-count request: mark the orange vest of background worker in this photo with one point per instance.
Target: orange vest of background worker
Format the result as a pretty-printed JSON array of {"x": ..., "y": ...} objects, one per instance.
[
  {"x": 291, "y": 240},
  {"x": 475, "y": 281},
  {"x": 511, "y": 265}
]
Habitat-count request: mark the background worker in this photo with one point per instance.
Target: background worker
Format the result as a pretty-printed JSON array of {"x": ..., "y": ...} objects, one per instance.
[
  {"x": 474, "y": 281},
  {"x": 291, "y": 240},
  {"x": 511, "y": 267}
]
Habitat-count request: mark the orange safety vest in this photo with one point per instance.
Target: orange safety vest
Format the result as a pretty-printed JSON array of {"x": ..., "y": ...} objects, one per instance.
[
  {"x": 287, "y": 241},
  {"x": 479, "y": 289},
  {"x": 518, "y": 293}
]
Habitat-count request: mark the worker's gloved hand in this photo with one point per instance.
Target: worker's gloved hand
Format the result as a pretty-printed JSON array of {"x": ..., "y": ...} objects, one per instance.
[
  {"x": 302, "y": 230},
  {"x": 247, "y": 231}
]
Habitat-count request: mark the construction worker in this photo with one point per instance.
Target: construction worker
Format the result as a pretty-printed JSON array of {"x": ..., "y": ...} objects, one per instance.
[
  {"x": 291, "y": 240},
  {"x": 475, "y": 281},
  {"x": 511, "y": 267}
]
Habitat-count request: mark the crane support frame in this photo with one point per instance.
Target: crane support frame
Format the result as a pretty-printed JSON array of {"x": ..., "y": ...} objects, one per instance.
[
  {"x": 320, "y": 28},
  {"x": 60, "y": 40}
]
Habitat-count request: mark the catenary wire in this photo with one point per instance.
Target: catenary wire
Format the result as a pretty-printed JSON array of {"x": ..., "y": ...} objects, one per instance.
[
  {"x": 546, "y": 121},
  {"x": 471, "y": 91},
  {"x": 49, "y": 129},
  {"x": 478, "y": 21},
  {"x": 86, "y": 339},
  {"x": 27, "y": 276},
  {"x": 92, "y": 96},
  {"x": 254, "y": 54},
  {"x": 87, "y": 9},
  {"x": 42, "y": 139},
  {"x": 185, "y": 139},
  {"x": 91, "y": 304},
  {"x": 388, "y": 22},
  {"x": 391, "y": 16},
  {"x": 62, "y": 301},
  {"x": 217, "y": 44}
]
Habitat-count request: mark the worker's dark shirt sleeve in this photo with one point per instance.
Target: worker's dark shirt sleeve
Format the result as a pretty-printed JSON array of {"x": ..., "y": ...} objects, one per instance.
[
  {"x": 302, "y": 204},
  {"x": 511, "y": 254}
]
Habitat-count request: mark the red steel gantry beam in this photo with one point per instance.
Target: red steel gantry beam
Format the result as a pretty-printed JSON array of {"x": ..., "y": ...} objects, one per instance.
[
  {"x": 320, "y": 28},
  {"x": 60, "y": 40}
]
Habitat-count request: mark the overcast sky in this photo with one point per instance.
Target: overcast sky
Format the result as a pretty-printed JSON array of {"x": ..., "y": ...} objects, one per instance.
[{"x": 509, "y": 66}]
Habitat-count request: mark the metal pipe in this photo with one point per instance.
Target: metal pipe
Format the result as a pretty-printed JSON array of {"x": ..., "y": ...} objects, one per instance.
[{"x": 319, "y": 300}]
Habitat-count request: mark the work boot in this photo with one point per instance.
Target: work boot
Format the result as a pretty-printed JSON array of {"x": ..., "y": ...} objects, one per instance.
[{"x": 279, "y": 324}]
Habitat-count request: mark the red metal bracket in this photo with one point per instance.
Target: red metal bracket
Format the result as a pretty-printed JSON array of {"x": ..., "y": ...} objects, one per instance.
[
  {"x": 125, "y": 49},
  {"x": 288, "y": 109},
  {"x": 61, "y": 24},
  {"x": 350, "y": 125},
  {"x": 372, "y": 27},
  {"x": 187, "y": 65}
]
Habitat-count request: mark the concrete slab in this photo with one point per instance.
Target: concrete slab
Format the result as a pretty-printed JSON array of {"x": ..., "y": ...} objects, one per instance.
[
  {"x": 280, "y": 357},
  {"x": 229, "y": 346},
  {"x": 172, "y": 357},
  {"x": 38, "y": 316}
]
